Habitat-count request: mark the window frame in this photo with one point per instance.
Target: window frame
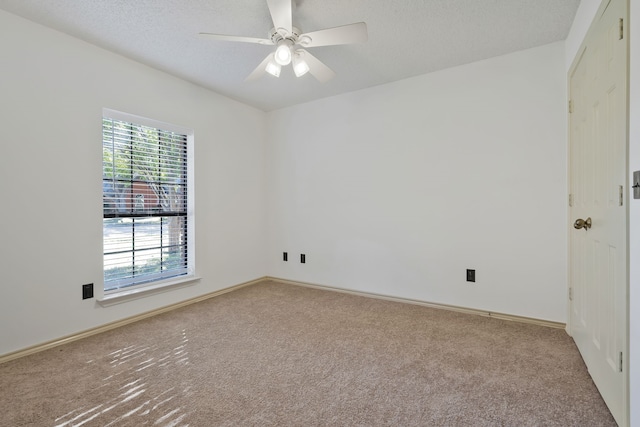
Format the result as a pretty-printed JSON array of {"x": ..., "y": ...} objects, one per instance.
[{"x": 156, "y": 284}]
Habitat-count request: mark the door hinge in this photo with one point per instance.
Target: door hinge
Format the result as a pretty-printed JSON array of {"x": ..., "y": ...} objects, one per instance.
[
  {"x": 621, "y": 362},
  {"x": 570, "y": 294},
  {"x": 570, "y": 106},
  {"x": 570, "y": 200},
  {"x": 621, "y": 29},
  {"x": 621, "y": 195}
]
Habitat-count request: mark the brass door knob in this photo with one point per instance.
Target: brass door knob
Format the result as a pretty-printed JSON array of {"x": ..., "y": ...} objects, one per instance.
[{"x": 582, "y": 223}]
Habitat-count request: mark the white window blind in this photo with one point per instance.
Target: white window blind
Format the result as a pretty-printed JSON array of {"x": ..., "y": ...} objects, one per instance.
[{"x": 144, "y": 190}]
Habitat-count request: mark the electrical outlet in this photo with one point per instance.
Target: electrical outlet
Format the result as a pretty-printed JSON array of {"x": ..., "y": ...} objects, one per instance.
[
  {"x": 285, "y": 256},
  {"x": 302, "y": 258},
  {"x": 471, "y": 275},
  {"x": 87, "y": 291}
]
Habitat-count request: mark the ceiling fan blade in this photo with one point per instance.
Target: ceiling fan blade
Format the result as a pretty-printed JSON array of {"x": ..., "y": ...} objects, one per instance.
[
  {"x": 281, "y": 14},
  {"x": 226, "y": 38},
  {"x": 317, "y": 68},
  {"x": 346, "y": 34},
  {"x": 260, "y": 69}
]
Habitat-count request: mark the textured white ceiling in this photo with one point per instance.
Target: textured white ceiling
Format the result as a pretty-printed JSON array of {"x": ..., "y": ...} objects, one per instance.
[{"x": 406, "y": 38}]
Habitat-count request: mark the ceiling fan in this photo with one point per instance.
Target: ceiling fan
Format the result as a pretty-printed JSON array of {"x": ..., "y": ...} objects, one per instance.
[{"x": 290, "y": 42}]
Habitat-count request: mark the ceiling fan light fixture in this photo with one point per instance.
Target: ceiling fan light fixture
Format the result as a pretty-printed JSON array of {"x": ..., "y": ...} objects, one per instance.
[
  {"x": 283, "y": 52},
  {"x": 300, "y": 66},
  {"x": 285, "y": 37},
  {"x": 273, "y": 69}
]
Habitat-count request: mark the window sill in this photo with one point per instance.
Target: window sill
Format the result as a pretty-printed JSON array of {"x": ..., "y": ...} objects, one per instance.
[{"x": 120, "y": 296}]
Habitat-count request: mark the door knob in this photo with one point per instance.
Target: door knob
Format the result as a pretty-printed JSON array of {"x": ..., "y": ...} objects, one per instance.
[{"x": 582, "y": 223}]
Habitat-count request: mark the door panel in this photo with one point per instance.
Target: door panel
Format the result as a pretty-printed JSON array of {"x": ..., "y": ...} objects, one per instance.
[{"x": 598, "y": 157}]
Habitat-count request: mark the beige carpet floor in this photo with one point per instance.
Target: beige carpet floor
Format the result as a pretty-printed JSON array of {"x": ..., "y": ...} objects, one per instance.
[{"x": 275, "y": 354}]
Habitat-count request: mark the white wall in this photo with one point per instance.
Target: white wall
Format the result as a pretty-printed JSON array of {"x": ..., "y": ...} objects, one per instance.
[
  {"x": 400, "y": 188},
  {"x": 395, "y": 189},
  {"x": 52, "y": 91},
  {"x": 583, "y": 20},
  {"x": 581, "y": 23}
]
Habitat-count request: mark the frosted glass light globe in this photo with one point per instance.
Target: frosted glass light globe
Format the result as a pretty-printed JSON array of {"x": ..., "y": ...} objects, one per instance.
[{"x": 283, "y": 54}]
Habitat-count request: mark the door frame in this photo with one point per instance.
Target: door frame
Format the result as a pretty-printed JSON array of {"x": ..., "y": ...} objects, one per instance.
[{"x": 627, "y": 194}]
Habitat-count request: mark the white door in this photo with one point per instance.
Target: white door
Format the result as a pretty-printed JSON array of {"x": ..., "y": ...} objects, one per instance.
[{"x": 598, "y": 158}]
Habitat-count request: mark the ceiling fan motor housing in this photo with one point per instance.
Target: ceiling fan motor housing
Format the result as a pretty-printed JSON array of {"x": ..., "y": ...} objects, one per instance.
[{"x": 277, "y": 35}]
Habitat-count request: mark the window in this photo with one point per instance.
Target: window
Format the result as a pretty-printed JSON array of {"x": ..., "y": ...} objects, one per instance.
[{"x": 145, "y": 202}]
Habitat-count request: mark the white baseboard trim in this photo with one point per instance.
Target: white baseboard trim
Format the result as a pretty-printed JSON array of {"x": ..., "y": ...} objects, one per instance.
[
  {"x": 502, "y": 316},
  {"x": 118, "y": 323},
  {"x": 113, "y": 325}
]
